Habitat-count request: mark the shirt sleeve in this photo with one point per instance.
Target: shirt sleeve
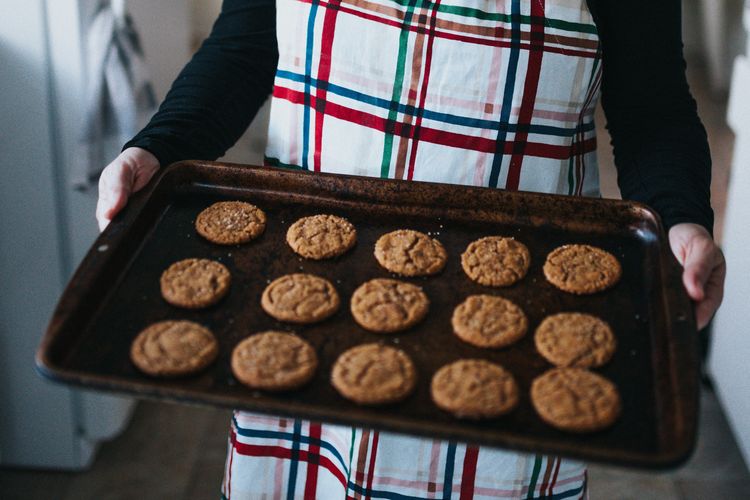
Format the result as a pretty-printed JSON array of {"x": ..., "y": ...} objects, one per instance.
[
  {"x": 660, "y": 146},
  {"x": 219, "y": 92}
]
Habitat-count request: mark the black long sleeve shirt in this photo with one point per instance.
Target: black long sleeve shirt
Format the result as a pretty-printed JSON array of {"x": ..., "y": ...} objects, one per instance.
[{"x": 660, "y": 146}]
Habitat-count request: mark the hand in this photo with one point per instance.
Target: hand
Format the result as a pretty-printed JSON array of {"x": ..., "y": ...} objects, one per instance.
[
  {"x": 704, "y": 268},
  {"x": 128, "y": 173}
]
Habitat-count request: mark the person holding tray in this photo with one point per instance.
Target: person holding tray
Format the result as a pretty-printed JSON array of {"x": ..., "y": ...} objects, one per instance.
[{"x": 473, "y": 92}]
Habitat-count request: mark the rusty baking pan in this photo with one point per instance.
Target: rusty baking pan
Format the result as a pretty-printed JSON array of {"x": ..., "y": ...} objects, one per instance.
[{"x": 115, "y": 293}]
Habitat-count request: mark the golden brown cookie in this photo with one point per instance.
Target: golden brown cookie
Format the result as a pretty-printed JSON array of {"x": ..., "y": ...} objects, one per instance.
[
  {"x": 582, "y": 269},
  {"x": 300, "y": 298},
  {"x": 173, "y": 348},
  {"x": 496, "y": 261},
  {"x": 575, "y": 399},
  {"x": 489, "y": 321},
  {"x": 321, "y": 236},
  {"x": 474, "y": 388},
  {"x": 410, "y": 253},
  {"x": 385, "y": 305},
  {"x": 373, "y": 374},
  {"x": 274, "y": 361},
  {"x": 195, "y": 283},
  {"x": 575, "y": 339},
  {"x": 230, "y": 222}
]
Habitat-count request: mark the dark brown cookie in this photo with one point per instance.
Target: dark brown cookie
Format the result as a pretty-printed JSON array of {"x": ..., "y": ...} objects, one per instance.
[
  {"x": 582, "y": 269},
  {"x": 474, "y": 388},
  {"x": 195, "y": 283},
  {"x": 230, "y": 222},
  {"x": 489, "y": 321},
  {"x": 575, "y": 339},
  {"x": 410, "y": 253},
  {"x": 274, "y": 361},
  {"x": 575, "y": 399},
  {"x": 173, "y": 349},
  {"x": 373, "y": 374},
  {"x": 386, "y": 305},
  {"x": 321, "y": 236},
  {"x": 300, "y": 298},
  {"x": 496, "y": 261}
]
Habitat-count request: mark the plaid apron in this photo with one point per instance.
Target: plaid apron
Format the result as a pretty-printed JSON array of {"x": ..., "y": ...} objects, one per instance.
[{"x": 474, "y": 92}]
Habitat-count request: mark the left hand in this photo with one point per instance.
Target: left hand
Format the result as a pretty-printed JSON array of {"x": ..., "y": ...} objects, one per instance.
[{"x": 704, "y": 268}]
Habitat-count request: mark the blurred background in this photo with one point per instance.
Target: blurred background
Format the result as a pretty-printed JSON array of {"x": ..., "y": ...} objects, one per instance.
[{"x": 62, "y": 443}]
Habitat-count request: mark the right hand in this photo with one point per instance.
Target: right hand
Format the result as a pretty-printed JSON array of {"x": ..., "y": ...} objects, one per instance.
[{"x": 128, "y": 173}]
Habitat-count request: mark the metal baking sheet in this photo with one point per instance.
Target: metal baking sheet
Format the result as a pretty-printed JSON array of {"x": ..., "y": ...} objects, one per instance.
[{"x": 115, "y": 293}]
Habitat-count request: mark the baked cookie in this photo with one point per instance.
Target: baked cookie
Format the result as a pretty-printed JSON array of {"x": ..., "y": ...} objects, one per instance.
[
  {"x": 373, "y": 374},
  {"x": 582, "y": 269},
  {"x": 489, "y": 321},
  {"x": 195, "y": 283},
  {"x": 230, "y": 222},
  {"x": 410, "y": 253},
  {"x": 274, "y": 361},
  {"x": 173, "y": 348},
  {"x": 385, "y": 305},
  {"x": 474, "y": 388},
  {"x": 496, "y": 261},
  {"x": 300, "y": 298},
  {"x": 575, "y": 399},
  {"x": 575, "y": 339},
  {"x": 321, "y": 236}
]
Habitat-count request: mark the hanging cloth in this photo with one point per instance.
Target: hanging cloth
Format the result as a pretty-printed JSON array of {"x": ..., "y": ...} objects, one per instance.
[{"x": 119, "y": 95}]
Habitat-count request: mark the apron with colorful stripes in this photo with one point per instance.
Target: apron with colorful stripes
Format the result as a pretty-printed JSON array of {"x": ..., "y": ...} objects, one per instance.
[{"x": 473, "y": 92}]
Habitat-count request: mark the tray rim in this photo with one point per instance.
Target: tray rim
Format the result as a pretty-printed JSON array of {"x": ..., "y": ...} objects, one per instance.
[{"x": 683, "y": 348}]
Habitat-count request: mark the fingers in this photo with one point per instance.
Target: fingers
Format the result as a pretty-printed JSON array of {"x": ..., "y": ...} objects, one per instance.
[
  {"x": 704, "y": 268},
  {"x": 115, "y": 185},
  {"x": 714, "y": 293},
  {"x": 130, "y": 172}
]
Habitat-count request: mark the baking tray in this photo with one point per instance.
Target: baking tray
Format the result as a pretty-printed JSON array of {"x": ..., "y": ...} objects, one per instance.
[{"x": 115, "y": 293}]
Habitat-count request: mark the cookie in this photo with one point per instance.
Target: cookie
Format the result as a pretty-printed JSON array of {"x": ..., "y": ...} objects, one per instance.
[
  {"x": 410, "y": 253},
  {"x": 474, "y": 388},
  {"x": 575, "y": 400},
  {"x": 195, "y": 283},
  {"x": 496, "y": 261},
  {"x": 274, "y": 361},
  {"x": 173, "y": 348},
  {"x": 575, "y": 339},
  {"x": 386, "y": 305},
  {"x": 300, "y": 298},
  {"x": 374, "y": 374},
  {"x": 582, "y": 269},
  {"x": 231, "y": 222},
  {"x": 321, "y": 236},
  {"x": 489, "y": 321}
]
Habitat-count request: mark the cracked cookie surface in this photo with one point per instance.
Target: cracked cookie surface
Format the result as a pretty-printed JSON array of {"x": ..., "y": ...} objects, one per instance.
[
  {"x": 474, "y": 388},
  {"x": 231, "y": 222},
  {"x": 410, "y": 253},
  {"x": 575, "y": 339},
  {"x": 321, "y": 236},
  {"x": 582, "y": 269},
  {"x": 300, "y": 298},
  {"x": 373, "y": 374},
  {"x": 386, "y": 305},
  {"x": 575, "y": 399},
  {"x": 173, "y": 348},
  {"x": 195, "y": 283},
  {"x": 274, "y": 361},
  {"x": 489, "y": 321},
  {"x": 496, "y": 261}
]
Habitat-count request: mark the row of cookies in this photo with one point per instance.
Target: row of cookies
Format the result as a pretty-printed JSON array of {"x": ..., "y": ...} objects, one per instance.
[{"x": 495, "y": 261}]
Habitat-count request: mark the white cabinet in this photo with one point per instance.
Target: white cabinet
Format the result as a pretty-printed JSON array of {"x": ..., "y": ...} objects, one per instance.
[{"x": 730, "y": 349}]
